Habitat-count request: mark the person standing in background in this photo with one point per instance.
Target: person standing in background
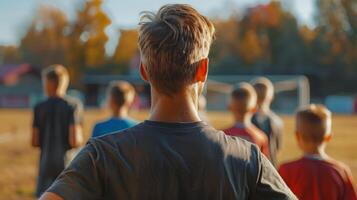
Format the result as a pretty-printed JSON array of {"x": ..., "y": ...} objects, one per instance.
[
  {"x": 265, "y": 119},
  {"x": 316, "y": 175},
  {"x": 120, "y": 96},
  {"x": 56, "y": 126},
  {"x": 242, "y": 104}
]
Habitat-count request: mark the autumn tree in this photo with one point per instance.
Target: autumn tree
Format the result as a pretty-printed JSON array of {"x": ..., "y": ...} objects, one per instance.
[
  {"x": 126, "y": 49},
  {"x": 45, "y": 42},
  {"x": 88, "y": 37}
]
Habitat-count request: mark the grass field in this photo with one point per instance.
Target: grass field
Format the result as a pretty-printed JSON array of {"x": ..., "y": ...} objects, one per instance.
[{"x": 18, "y": 161}]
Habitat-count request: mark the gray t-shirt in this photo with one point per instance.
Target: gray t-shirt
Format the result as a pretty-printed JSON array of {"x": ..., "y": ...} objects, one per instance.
[{"x": 157, "y": 160}]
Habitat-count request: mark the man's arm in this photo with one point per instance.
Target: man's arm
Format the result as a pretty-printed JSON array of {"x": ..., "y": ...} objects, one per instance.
[{"x": 50, "y": 196}]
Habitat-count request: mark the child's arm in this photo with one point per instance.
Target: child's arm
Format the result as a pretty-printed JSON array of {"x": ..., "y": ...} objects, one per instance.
[
  {"x": 75, "y": 129},
  {"x": 75, "y": 136},
  {"x": 35, "y": 135},
  {"x": 35, "y": 138}
]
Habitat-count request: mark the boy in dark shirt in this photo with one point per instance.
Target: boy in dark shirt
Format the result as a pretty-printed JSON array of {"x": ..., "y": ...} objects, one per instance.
[
  {"x": 242, "y": 104},
  {"x": 121, "y": 95},
  {"x": 316, "y": 176},
  {"x": 56, "y": 126},
  {"x": 172, "y": 155},
  {"x": 265, "y": 119}
]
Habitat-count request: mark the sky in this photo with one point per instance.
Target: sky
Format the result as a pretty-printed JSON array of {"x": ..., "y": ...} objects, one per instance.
[{"x": 15, "y": 15}]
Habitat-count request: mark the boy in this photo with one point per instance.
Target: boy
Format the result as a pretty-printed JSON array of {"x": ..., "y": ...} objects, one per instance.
[
  {"x": 56, "y": 126},
  {"x": 242, "y": 104},
  {"x": 265, "y": 119},
  {"x": 172, "y": 155},
  {"x": 121, "y": 95},
  {"x": 317, "y": 176}
]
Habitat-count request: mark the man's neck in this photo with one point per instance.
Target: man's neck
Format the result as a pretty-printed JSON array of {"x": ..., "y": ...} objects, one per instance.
[
  {"x": 264, "y": 108},
  {"x": 243, "y": 119},
  {"x": 315, "y": 151},
  {"x": 55, "y": 95},
  {"x": 120, "y": 113},
  {"x": 181, "y": 107}
]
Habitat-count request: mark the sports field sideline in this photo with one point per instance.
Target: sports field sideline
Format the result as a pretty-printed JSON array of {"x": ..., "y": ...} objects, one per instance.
[{"x": 18, "y": 161}]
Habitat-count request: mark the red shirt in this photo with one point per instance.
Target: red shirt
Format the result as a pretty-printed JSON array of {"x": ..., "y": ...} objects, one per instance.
[
  {"x": 252, "y": 134},
  {"x": 318, "y": 179}
]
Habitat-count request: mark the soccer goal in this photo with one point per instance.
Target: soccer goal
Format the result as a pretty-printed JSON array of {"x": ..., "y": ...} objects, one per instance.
[{"x": 291, "y": 92}]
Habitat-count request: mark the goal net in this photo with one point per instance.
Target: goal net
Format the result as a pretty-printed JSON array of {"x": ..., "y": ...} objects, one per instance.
[{"x": 291, "y": 92}]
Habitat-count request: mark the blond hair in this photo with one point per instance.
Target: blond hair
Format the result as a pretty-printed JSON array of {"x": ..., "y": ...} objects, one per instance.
[
  {"x": 245, "y": 94},
  {"x": 57, "y": 74},
  {"x": 171, "y": 43},
  {"x": 264, "y": 89},
  {"x": 121, "y": 92},
  {"x": 318, "y": 118}
]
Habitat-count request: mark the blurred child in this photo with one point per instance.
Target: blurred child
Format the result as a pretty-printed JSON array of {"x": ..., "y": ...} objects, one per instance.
[
  {"x": 56, "y": 126},
  {"x": 317, "y": 176},
  {"x": 265, "y": 119},
  {"x": 120, "y": 95},
  {"x": 242, "y": 105}
]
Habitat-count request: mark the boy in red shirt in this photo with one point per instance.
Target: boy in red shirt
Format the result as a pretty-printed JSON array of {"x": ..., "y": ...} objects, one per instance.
[
  {"x": 242, "y": 104},
  {"x": 316, "y": 176}
]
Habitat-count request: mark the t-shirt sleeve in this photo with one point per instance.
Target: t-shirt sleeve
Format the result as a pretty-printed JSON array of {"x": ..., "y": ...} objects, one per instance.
[
  {"x": 269, "y": 184},
  {"x": 82, "y": 179}
]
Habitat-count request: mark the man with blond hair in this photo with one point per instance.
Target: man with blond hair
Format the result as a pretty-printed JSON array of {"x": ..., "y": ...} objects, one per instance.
[
  {"x": 56, "y": 126},
  {"x": 172, "y": 155}
]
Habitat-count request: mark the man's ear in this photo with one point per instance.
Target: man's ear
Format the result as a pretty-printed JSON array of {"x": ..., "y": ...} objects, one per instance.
[
  {"x": 143, "y": 73},
  {"x": 202, "y": 70}
]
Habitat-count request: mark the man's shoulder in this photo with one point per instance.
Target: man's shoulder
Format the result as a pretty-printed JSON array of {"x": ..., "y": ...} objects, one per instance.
[{"x": 139, "y": 134}]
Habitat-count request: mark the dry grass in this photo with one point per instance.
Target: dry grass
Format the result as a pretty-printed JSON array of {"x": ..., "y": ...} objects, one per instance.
[{"x": 18, "y": 161}]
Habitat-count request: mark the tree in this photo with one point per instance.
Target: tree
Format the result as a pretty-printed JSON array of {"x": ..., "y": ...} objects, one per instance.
[
  {"x": 88, "y": 37},
  {"x": 45, "y": 42},
  {"x": 127, "y": 48}
]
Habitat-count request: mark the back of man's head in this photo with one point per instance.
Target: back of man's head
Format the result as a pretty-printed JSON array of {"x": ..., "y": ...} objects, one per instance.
[
  {"x": 172, "y": 42},
  {"x": 313, "y": 123},
  {"x": 121, "y": 93},
  {"x": 243, "y": 98},
  {"x": 56, "y": 79},
  {"x": 264, "y": 89}
]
